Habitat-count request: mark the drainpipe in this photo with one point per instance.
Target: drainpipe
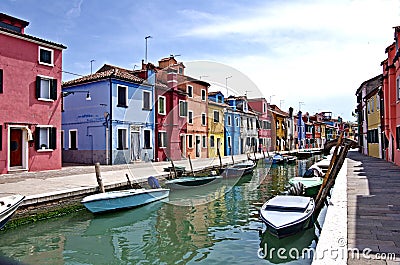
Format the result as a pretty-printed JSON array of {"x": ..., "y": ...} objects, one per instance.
[{"x": 109, "y": 130}]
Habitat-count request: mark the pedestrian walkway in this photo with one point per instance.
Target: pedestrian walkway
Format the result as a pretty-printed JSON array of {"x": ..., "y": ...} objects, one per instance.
[{"x": 373, "y": 195}]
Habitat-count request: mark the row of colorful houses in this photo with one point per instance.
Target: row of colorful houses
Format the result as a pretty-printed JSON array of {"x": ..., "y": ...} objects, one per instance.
[
  {"x": 119, "y": 115},
  {"x": 378, "y": 108}
]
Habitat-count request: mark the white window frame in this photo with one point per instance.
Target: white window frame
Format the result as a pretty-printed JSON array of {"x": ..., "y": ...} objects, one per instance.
[
  {"x": 164, "y": 105},
  {"x": 150, "y": 96},
  {"x": 126, "y": 96},
  {"x": 189, "y": 87},
  {"x": 164, "y": 145},
  {"x": 229, "y": 120},
  {"x": 205, "y": 95},
  {"x": 216, "y": 111},
  {"x": 190, "y": 117},
  {"x": 203, "y": 118},
  {"x": 47, "y": 127},
  {"x": 126, "y": 138},
  {"x": 69, "y": 138},
  {"x": 43, "y": 77},
  {"x": 150, "y": 139},
  {"x": 52, "y": 56}
]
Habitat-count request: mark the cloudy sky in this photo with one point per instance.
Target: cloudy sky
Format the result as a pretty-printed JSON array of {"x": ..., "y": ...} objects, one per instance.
[{"x": 315, "y": 52}]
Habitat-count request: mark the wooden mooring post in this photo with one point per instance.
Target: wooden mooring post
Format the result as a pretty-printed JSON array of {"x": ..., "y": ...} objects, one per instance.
[
  {"x": 220, "y": 159},
  {"x": 98, "y": 177},
  {"x": 191, "y": 166},
  {"x": 173, "y": 168}
]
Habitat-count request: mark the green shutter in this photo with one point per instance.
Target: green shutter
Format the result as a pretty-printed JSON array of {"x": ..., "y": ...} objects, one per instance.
[
  {"x": 38, "y": 79},
  {"x": 37, "y": 137},
  {"x": 53, "y": 89},
  {"x": 1, "y": 81},
  {"x": 53, "y": 138}
]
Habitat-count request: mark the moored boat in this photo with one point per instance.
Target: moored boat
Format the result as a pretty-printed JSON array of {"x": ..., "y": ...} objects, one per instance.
[
  {"x": 117, "y": 200},
  {"x": 277, "y": 159},
  {"x": 190, "y": 182},
  {"x": 287, "y": 215},
  {"x": 247, "y": 166},
  {"x": 8, "y": 205},
  {"x": 311, "y": 185}
]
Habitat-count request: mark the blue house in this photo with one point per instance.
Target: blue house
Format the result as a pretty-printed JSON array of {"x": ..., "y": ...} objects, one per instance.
[
  {"x": 108, "y": 117},
  {"x": 232, "y": 128},
  {"x": 301, "y": 130}
]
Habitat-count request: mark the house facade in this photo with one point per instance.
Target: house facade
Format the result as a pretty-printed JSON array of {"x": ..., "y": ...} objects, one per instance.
[
  {"x": 301, "y": 131},
  {"x": 30, "y": 96},
  {"x": 391, "y": 98},
  {"x": 116, "y": 126},
  {"x": 232, "y": 126},
  {"x": 373, "y": 123},
  {"x": 216, "y": 124},
  {"x": 260, "y": 107},
  {"x": 281, "y": 128}
]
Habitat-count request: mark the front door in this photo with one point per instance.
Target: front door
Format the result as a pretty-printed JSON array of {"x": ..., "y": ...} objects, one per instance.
[
  {"x": 183, "y": 145},
  {"x": 135, "y": 146},
  {"x": 219, "y": 145},
  {"x": 198, "y": 146},
  {"x": 15, "y": 147}
]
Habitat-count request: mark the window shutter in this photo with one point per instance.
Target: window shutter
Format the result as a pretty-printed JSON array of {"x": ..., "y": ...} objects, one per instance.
[
  {"x": 38, "y": 79},
  {"x": 37, "y": 137},
  {"x": 53, "y": 138},
  {"x": 1, "y": 81},
  {"x": 53, "y": 89},
  {"x": 1, "y": 137}
]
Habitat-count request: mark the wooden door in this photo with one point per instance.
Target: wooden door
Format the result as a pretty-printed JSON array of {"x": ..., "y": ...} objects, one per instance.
[{"x": 15, "y": 147}]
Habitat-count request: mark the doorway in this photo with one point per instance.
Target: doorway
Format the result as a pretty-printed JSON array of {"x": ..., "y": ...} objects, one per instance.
[
  {"x": 198, "y": 146},
  {"x": 15, "y": 147},
  {"x": 135, "y": 146}
]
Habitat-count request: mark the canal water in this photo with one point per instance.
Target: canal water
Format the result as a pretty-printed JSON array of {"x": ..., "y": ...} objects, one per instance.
[{"x": 217, "y": 225}]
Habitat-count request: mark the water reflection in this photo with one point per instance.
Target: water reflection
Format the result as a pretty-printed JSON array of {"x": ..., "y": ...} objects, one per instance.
[{"x": 224, "y": 228}]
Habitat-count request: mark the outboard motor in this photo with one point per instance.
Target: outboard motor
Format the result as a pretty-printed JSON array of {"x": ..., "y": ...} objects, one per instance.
[{"x": 153, "y": 182}]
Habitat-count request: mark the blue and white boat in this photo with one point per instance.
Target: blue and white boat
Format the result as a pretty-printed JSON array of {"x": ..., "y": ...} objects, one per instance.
[
  {"x": 117, "y": 200},
  {"x": 8, "y": 206},
  {"x": 277, "y": 159}
]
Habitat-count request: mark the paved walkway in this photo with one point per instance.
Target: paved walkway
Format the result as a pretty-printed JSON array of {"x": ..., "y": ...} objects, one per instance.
[{"x": 373, "y": 195}]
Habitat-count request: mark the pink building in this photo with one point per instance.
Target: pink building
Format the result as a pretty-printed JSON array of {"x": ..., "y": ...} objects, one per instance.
[
  {"x": 30, "y": 99},
  {"x": 260, "y": 107}
]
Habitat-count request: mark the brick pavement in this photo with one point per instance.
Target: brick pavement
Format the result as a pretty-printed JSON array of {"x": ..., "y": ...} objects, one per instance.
[{"x": 373, "y": 194}]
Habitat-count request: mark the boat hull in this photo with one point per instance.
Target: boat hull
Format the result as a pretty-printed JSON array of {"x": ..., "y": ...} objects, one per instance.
[
  {"x": 9, "y": 205},
  {"x": 247, "y": 167},
  {"x": 192, "y": 182},
  {"x": 118, "y": 200},
  {"x": 282, "y": 221},
  {"x": 311, "y": 185}
]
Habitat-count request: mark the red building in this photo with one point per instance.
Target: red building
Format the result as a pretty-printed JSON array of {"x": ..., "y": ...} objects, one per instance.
[
  {"x": 391, "y": 98},
  {"x": 30, "y": 99},
  {"x": 260, "y": 107}
]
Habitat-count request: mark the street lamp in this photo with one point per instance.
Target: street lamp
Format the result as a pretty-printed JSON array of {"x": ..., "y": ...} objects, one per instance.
[
  {"x": 91, "y": 66},
  {"x": 145, "y": 55},
  {"x": 226, "y": 85}
]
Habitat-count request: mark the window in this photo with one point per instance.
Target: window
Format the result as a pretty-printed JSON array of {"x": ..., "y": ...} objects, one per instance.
[
  {"x": 229, "y": 142},
  {"x": 73, "y": 140},
  {"x": 162, "y": 139},
  {"x": 398, "y": 137},
  {"x": 248, "y": 124},
  {"x": 203, "y": 119},
  {"x": 372, "y": 104},
  {"x": 398, "y": 88},
  {"x": 378, "y": 103},
  {"x": 46, "y": 88},
  {"x": 229, "y": 120},
  {"x": 122, "y": 96},
  {"x": 372, "y": 136},
  {"x": 204, "y": 142},
  {"x": 190, "y": 117},
  {"x": 146, "y": 100},
  {"x": 62, "y": 140},
  {"x": 277, "y": 124},
  {"x": 203, "y": 95},
  {"x": 216, "y": 116},
  {"x": 122, "y": 139},
  {"x": 161, "y": 105},
  {"x": 190, "y": 91},
  {"x": 181, "y": 70},
  {"x": 45, "y": 56},
  {"x": 265, "y": 107},
  {"x": 147, "y": 139},
  {"x": 1, "y": 81},
  {"x": 190, "y": 141},
  {"x": 45, "y": 137},
  {"x": 237, "y": 121},
  {"x": 212, "y": 141},
  {"x": 183, "y": 108}
]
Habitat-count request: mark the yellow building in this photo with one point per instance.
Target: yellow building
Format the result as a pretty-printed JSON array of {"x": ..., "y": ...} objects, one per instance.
[
  {"x": 374, "y": 122},
  {"x": 215, "y": 128}
]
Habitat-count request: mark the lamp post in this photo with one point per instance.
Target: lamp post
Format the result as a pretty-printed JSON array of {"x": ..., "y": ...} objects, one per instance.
[
  {"x": 226, "y": 85},
  {"x": 145, "y": 55}
]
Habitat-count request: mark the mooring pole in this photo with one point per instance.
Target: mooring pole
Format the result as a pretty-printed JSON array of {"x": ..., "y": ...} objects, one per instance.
[
  {"x": 98, "y": 177},
  {"x": 173, "y": 167},
  {"x": 220, "y": 160},
  {"x": 191, "y": 166}
]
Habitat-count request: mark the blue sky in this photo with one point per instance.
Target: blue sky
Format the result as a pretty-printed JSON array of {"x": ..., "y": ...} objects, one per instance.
[{"x": 316, "y": 52}]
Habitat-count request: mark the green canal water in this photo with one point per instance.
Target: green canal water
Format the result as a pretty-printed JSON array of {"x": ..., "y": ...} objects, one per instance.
[{"x": 217, "y": 225}]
